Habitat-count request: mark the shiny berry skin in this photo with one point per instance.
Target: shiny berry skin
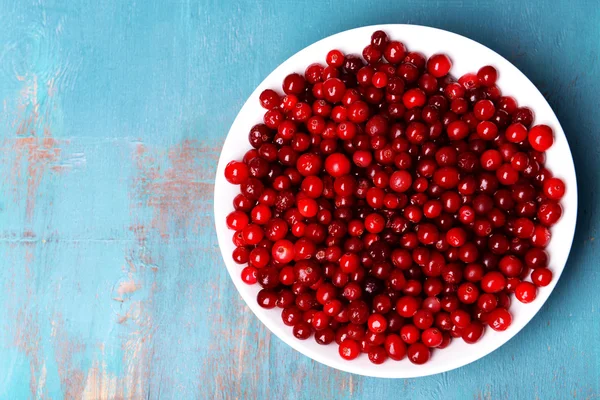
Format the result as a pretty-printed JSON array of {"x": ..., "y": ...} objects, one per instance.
[
  {"x": 380, "y": 39},
  {"x": 302, "y": 330},
  {"x": 516, "y": 133},
  {"x": 507, "y": 175},
  {"x": 491, "y": 160},
  {"x": 294, "y": 84},
  {"x": 423, "y": 319},
  {"x": 549, "y": 212},
  {"x": 493, "y": 282},
  {"x": 252, "y": 234},
  {"x": 400, "y": 181},
  {"x": 536, "y": 258},
  {"x": 236, "y": 172},
  {"x": 484, "y": 110},
  {"x": 541, "y": 276},
  {"x": 468, "y": 293},
  {"x": 469, "y": 81},
  {"x": 414, "y": 98},
  {"x": 337, "y": 165},
  {"x": 460, "y": 318},
  {"x": 334, "y": 90},
  {"x": 395, "y": 347},
  {"x": 510, "y": 266},
  {"x": 541, "y": 137},
  {"x": 349, "y": 349},
  {"x": 472, "y": 332},
  {"x": 499, "y": 319},
  {"x": 283, "y": 251},
  {"x": 432, "y": 337},
  {"x": 335, "y": 58},
  {"x": 249, "y": 275},
  {"x": 554, "y": 188},
  {"x": 374, "y": 223},
  {"x": 439, "y": 65},
  {"x": 266, "y": 299},
  {"x": 418, "y": 353},
  {"x": 457, "y": 130},
  {"x": 487, "y": 75},
  {"x": 525, "y": 292},
  {"x": 407, "y": 306},
  {"x": 394, "y": 52},
  {"x": 309, "y": 164},
  {"x": 428, "y": 234},
  {"x": 377, "y": 323},
  {"x": 237, "y": 220},
  {"x": 377, "y": 354},
  {"x": 269, "y": 99}
]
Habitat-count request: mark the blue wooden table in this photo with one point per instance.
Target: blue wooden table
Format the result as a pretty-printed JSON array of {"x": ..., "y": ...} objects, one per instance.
[{"x": 111, "y": 122}]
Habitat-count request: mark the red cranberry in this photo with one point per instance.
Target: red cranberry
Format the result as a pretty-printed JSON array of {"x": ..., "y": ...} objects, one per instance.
[
  {"x": 349, "y": 349},
  {"x": 472, "y": 332},
  {"x": 525, "y": 292},
  {"x": 499, "y": 319},
  {"x": 439, "y": 65},
  {"x": 418, "y": 353}
]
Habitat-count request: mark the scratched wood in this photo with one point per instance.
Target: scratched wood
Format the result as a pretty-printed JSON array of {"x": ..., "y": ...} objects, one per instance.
[{"x": 113, "y": 114}]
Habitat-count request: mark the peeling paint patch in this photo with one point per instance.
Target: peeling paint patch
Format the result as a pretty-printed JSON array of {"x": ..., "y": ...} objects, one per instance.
[
  {"x": 173, "y": 186},
  {"x": 101, "y": 384},
  {"x": 72, "y": 378},
  {"x": 33, "y": 158}
]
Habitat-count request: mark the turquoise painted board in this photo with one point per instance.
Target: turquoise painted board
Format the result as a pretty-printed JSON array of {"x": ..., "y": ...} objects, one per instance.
[{"x": 111, "y": 120}]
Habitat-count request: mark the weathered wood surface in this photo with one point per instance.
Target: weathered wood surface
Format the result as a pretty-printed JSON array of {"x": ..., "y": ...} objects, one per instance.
[{"x": 112, "y": 117}]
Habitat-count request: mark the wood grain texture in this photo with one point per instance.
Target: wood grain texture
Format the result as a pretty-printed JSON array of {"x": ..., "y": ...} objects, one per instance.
[{"x": 112, "y": 117}]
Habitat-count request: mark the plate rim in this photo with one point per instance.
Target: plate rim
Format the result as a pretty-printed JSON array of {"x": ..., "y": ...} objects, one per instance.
[{"x": 383, "y": 371}]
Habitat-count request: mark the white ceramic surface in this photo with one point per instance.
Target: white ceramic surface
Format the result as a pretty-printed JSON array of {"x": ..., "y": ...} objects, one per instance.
[{"x": 467, "y": 56}]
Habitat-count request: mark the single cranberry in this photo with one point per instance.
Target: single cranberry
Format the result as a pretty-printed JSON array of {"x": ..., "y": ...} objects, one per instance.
[
  {"x": 418, "y": 353},
  {"x": 484, "y": 110},
  {"x": 249, "y": 275},
  {"x": 472, "y": 332},
  {"x": 377, "y": 354},
  {"x": 468, "y": 293},
  {"x": 377, "y": 323},
  {"x": 549, "y": 212},
  {"x": 499, "y": 319},
  {"x": 394, "y": 52},
  {"x": 395, "y": 347},
  {"x": 349, "y": 349},
  {"x": 266, "y": 299},
  {"x": 337, "y": 164},
  {"x": 407, "y": 306},
  {"x": 294, "y": 84},
  {"x": 525, "y": 292},
  {"x": 325, "y": 336},
  {"x": 236, "y": 172},
  {"x": 460, "y": 318},
  {"x": 491, "y": 160},
  {"x": 487, "y": 75},
  {"x": 541, "y": 137},
  {"x": 523, "y": 115},
  {"x": 432, "y": 337},
  {"x": 335, "y": 58},
  {"x": 439, "y": 65},
  {"x": 414, "y": 98},
  {"x": 541, "y": 276},
  {"x": 554, "y": 188},
  {"x": 493, "y": 282}
]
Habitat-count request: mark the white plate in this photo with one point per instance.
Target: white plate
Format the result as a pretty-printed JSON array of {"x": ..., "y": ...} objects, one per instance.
[{"x": 467, "y": 56}]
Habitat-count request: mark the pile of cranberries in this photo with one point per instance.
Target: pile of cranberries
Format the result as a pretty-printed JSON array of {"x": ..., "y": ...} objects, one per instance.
[{"x": 391, "y": 208}]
